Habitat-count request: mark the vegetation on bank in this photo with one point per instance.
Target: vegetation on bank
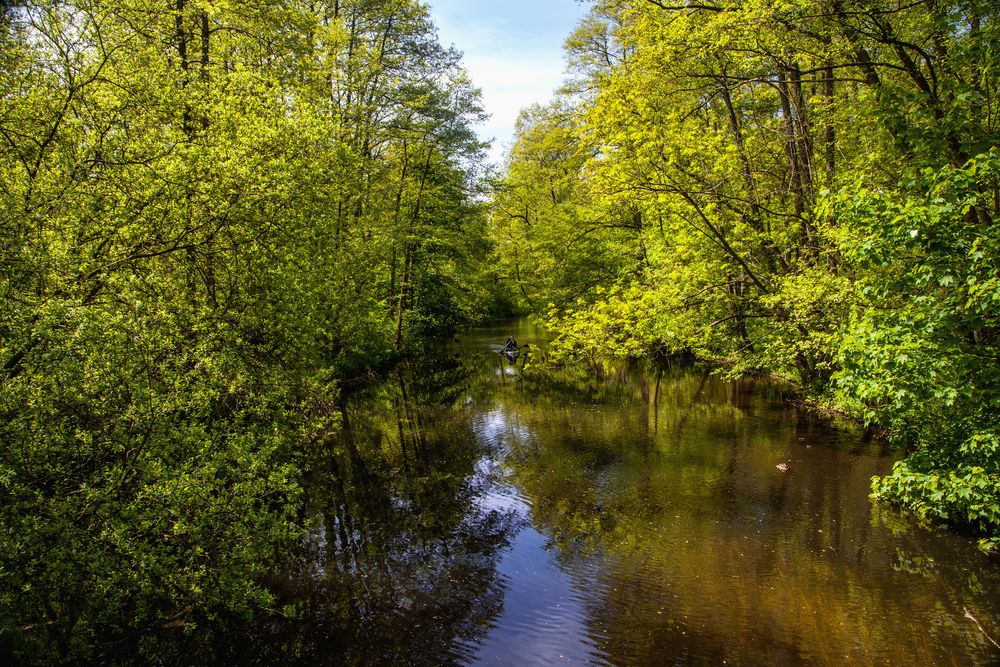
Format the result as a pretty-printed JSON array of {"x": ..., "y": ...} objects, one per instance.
[
  {"x": 211, "y": 214},
  {"x": 214, "y": 214},
  {"x": 800, "y": 188}
]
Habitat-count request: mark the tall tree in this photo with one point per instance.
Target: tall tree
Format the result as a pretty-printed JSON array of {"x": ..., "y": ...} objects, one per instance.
[{"x": 196, "y": 221}]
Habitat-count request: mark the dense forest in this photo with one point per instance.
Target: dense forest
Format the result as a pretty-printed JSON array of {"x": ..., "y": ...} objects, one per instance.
[
  {"x": 801, "y": 189},
  {"x": 215, "y": 216}
]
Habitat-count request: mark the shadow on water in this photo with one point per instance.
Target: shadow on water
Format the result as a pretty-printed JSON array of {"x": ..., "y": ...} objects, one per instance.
[
  {"x": 400, "y": 567},
  {"x": 473, "y": 511}
]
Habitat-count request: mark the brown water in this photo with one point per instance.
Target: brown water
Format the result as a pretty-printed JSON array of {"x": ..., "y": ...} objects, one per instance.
[{"x": 481, "y": 512}]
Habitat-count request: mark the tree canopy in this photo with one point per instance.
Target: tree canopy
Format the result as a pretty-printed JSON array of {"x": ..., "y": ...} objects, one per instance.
[
  {"x": 801, "y": 189},
  {"x": 213, "y": 214},
  {"x": 216, "y": 215}
]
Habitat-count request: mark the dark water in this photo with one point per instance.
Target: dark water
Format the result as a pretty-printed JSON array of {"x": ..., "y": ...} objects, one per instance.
[{"x": 476, "y": 511}]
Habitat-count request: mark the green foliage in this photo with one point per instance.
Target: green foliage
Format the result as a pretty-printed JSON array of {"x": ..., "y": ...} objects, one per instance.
[
  {"x": 919, "y": 357},
  {"x": 138, "y": 489},
  {"x": 554, "y": 244},
  {"x": 616, "y": 325},
  {"x": 211, "y": 214},
  {"x": 733, "y": 180},
  {"x": 810, "y": 308}
]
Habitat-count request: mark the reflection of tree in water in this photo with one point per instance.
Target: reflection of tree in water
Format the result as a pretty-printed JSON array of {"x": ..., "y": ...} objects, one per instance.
[
  {"x": 663, "y": 501},
  {"x": 401, "y": 565}
]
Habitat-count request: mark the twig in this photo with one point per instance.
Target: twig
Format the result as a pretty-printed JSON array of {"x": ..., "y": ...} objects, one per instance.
[
  {"x": 972, "y": 618},
  {"x": 33, "y": 626}
]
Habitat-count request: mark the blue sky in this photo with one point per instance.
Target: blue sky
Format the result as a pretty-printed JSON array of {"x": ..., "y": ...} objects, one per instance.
[{"x": 513, "y": 51}]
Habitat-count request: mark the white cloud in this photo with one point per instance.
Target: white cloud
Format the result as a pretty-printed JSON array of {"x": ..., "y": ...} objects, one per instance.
[
  {"x": 509, "y": 84},
  {"x": 513, "y": 53}
]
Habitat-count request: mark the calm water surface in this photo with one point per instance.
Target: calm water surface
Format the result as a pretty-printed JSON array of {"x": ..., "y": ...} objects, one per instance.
[{"x": 480, "y": 512}]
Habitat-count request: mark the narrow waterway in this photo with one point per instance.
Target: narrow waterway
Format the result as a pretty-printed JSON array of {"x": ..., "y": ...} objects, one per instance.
[{"x": 477, "y": 510}]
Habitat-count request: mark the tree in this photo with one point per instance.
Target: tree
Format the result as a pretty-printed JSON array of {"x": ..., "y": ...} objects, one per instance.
[
  {"x": 195, "y": 237},
  {"x": 919, "y": 358},
  {"x": 733, "y": 136}
]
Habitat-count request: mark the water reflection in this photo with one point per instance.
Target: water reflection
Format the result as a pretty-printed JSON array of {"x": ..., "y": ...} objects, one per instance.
[
  {"x": 483, "y": 512},
  {"x": 400, "y": 566},
  {"x": 657, "y": 493}
]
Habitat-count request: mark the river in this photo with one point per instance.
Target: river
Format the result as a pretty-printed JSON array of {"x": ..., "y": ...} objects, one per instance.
[{"x": 477, "y": 511}]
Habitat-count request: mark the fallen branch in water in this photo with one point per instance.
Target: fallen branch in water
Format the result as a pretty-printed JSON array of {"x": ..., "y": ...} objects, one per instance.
[{"x": 968, "y": 615}]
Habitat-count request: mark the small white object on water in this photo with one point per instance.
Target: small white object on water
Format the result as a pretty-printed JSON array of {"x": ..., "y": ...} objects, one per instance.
[{"x": 783, "y": 467}]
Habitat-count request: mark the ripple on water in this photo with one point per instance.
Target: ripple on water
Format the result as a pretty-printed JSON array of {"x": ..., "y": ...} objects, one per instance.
[
  {"x": 636, "y": 516},
  {"x": 545, "y": 618}
]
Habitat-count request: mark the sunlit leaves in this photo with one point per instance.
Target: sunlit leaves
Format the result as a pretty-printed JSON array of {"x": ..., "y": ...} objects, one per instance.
[
  {"x": 797, "y": 176},
  {"x": 210, "y": 213}
]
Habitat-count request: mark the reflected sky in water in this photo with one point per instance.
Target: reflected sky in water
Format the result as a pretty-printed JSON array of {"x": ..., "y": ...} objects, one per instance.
[
  {"x": 662, "y": 530},
  {"x": 475, "y": 511}
]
